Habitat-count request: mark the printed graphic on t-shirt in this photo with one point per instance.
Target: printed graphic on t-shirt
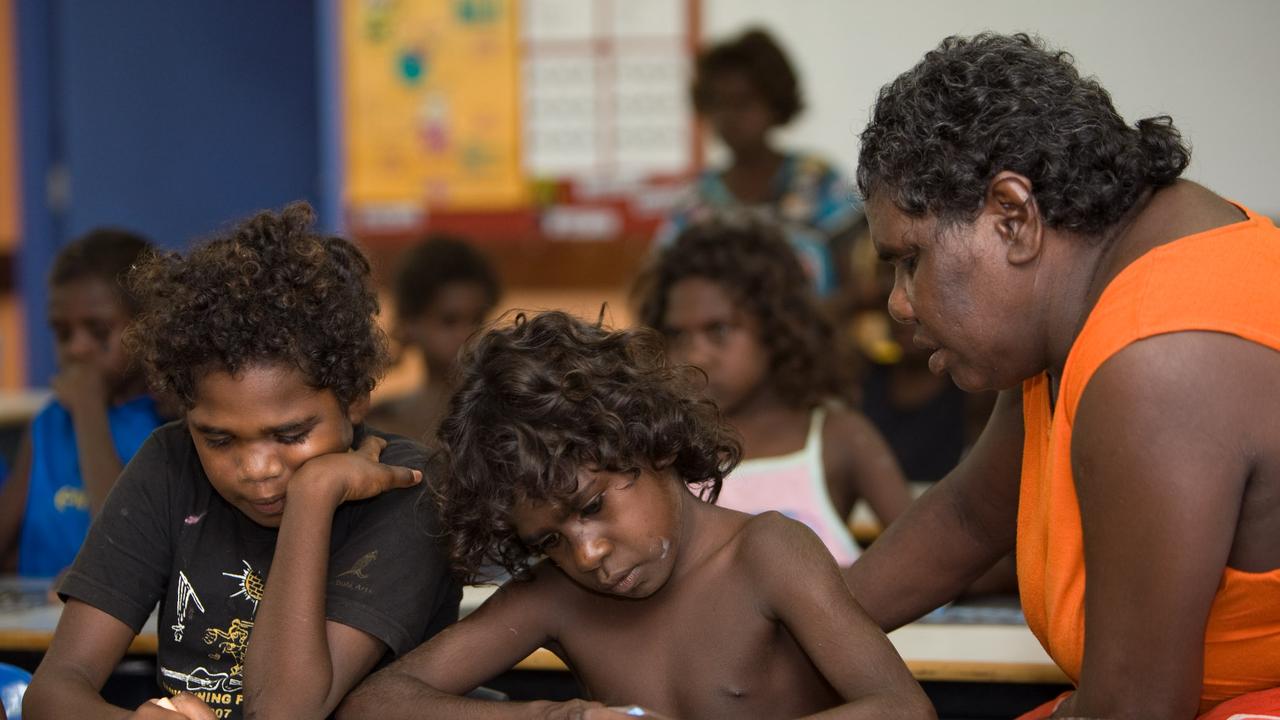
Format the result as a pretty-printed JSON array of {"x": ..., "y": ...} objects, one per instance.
[
  {"x": 251, "y": 584},
  {"x": 358, "y": 569},
  {"x": 360, "y": 572},
  {"x": 186, "y": 599},
  {"x": 230, "y": 642},
  {"x": 69, "y": 496},
  {"x": 222, "y": 640}
]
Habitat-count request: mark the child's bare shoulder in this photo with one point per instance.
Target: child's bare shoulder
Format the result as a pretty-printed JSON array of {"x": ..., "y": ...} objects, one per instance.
[
  {"x": 771, "y": 539},
  {"x": 783, "y": 560},
  {"x": 542, "y": 598},
  {"x": 844, "y": 422}
]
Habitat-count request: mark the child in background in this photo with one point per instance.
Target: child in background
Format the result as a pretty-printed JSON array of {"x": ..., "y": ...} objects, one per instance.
[
  {"x": 99, "y": 416},
  {"x": 579, "y": 445},
  {"x": 744, "y": 88},
  {"x": 444, "y": 291},
  {"x": 281, "y": 538},
  {"x": 731, "y": 299}
]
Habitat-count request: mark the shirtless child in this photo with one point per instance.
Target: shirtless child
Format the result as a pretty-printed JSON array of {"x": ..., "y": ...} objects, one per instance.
[{"x": 575, "y": 444}]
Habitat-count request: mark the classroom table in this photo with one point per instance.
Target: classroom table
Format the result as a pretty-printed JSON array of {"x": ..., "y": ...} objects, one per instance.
[
  {"x": 18, "y": 407},
  {"x": 974, "y": 660},
  {"x": 958, "y": 647}
]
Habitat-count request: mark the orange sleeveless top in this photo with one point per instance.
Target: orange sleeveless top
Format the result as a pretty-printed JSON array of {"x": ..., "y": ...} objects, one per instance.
[{"x": 1224, "y": 280}]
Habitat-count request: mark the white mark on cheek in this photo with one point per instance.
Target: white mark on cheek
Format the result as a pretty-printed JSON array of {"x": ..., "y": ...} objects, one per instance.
[
  {"x": 513, "y": 631},
  {"x": 666, "y": 547}
]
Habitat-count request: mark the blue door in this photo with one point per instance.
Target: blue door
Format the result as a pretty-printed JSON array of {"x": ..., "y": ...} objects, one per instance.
[{"x": 171, "y": 118}]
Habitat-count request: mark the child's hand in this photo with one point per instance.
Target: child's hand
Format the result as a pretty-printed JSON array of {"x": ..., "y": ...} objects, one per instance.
[
  {"x": 182, "y": 705},
  {"x": 81, "y": 386},
  {"x": 357, "y": 474}
]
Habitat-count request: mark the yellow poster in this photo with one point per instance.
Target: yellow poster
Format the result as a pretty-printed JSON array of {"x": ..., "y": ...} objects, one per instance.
[{"x": 430, "y": 105}]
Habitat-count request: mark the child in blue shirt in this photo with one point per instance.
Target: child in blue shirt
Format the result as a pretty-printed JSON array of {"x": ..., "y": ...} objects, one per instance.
[{"x": 100, "y": 413}]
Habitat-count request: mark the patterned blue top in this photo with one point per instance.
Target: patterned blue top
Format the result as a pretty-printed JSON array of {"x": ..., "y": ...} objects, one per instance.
[{"x": 809, "y": 198}]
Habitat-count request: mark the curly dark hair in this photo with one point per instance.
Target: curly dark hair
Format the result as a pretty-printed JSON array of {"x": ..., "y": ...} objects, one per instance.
[
  {"x": 270, "y": 290},
  {"x": 435, "y": 262},
  {"x": 756, "y": 266},
  {"x": 757, "y": 56},
  {"x": 977, "y": 106},
  {"x": 549, "y": 395},
  {"x": 105, "y": 254}
]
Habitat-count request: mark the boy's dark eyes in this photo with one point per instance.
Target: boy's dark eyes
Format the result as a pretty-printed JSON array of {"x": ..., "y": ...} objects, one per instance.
[
  {"x": 218, "y": 441},
  {"x": 593, "y": 507},
  {"x": 546, "y": 543}
]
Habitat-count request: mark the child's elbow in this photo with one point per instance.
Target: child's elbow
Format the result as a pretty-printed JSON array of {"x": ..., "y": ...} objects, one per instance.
[
  {"x": 359, "y": 703},
  {"x": 919, "y": 708},
  {"x": 905, "y": 704}
]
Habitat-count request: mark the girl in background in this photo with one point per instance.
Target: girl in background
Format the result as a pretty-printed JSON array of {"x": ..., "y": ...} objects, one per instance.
[{"x": 731, "y": 299}]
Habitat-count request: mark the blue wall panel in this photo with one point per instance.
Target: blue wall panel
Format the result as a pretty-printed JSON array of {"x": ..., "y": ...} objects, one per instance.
[{"x": 172, "y": 118}]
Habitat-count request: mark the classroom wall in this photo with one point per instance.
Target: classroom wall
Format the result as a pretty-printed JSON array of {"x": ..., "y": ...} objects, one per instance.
[
  {"x": 172, "y": 118},
  {"x": 1212, "y": 66}
]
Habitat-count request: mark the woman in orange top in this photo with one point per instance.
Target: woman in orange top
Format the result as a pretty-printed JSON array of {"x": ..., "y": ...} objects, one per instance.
[{"x": 1044, "y": 248}]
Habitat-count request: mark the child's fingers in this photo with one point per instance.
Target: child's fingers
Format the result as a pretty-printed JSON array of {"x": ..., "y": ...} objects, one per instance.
[
  {"x": 192, "y": 707},
  {"x": 371, "y": 447},
  {"x": 156, "y": 709},
  {"x": 403, "y": 476}
]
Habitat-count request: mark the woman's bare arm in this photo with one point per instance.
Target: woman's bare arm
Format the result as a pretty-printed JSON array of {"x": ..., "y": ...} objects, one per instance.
[
  {"x": 952, "y": 534},
  {"x": 1164, "y": 443}
]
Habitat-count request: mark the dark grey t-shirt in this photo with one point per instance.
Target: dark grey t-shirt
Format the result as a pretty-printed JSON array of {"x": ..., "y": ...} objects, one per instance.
[{"x": 165, "y": 535}]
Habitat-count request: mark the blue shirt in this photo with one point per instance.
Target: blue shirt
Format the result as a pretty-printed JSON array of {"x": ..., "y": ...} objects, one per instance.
[{"x": 57, "y": 514}]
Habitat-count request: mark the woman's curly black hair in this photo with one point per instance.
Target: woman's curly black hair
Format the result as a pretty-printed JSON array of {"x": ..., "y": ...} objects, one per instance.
[
  {"x": 977, "y": 106},
  {"x": 270, "y": 290},
  {"x": 751, "y": 260},
  {"x": 762, "y": 61},
  {"x": 548, "y": 396}
]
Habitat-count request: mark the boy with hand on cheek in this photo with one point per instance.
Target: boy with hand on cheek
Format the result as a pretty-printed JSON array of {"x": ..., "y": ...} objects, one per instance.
[
  {"x": 282, "y": 539},
  {"x": 579, "y": 445},
  {"x": 99, "y": 416}
]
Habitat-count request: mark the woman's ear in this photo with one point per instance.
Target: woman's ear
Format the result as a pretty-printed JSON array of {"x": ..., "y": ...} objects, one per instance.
[{"x": 1017, "y": 216}]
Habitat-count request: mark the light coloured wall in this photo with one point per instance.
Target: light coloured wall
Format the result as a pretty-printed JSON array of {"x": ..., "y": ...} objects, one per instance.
[{"x": 1214, "y": 67}]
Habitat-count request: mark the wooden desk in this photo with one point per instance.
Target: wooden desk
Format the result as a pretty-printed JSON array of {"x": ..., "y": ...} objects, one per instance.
[
  {"x": 25, "y": 627},
  {"x": 17, "y": 408},
  {"x": 933, "y": 651}
]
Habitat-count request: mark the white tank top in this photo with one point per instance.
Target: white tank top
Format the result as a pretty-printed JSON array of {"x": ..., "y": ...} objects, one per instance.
[{"x": 795, "y": 485}]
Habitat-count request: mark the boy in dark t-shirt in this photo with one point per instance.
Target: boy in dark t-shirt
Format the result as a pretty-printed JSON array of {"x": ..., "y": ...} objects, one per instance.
[{"x": 285, "y": 543}]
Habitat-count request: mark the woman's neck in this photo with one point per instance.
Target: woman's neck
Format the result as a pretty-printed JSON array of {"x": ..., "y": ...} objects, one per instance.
[{"x": 1085, "y": 266}]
